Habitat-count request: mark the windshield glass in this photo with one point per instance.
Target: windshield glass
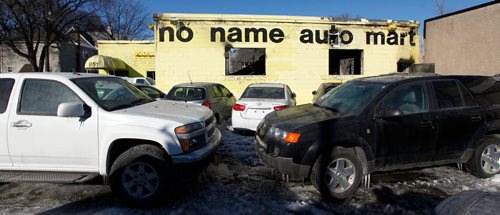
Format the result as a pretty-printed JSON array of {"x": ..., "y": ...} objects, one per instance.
[
  {"x": 112, "y": 93},
  {"x": 186, "y": 93},
  {"x": 350, "y": 98},
  {"x": 264, "y": 93}
]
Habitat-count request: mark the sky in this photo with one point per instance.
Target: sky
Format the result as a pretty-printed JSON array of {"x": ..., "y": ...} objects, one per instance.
[{"x": 417, "y": 10}]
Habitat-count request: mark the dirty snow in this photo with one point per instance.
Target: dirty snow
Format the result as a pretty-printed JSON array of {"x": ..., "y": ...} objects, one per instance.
[{"x": 239, "y": 183}]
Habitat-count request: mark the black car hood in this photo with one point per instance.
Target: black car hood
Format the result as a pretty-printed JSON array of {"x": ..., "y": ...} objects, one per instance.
[{"x": 293, "y": 118}]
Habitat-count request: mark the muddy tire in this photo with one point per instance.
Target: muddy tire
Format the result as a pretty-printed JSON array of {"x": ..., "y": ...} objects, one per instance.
[
  {"x": 140, "y": 176},
  {"x": 337, "y": 174},
  {"x": 485, "y": 162}
]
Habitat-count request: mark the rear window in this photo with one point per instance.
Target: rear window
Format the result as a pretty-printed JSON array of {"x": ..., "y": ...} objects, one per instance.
[
  {"x": 264, "y": 93},
  {"x": 5, "y": 90},
  {"x": 186, "y": 93},
  {"x": 485, "y": 90}
]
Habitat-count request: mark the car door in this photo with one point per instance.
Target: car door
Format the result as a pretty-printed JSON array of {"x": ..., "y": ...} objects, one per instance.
[
  {"x": 459, "y": 117},
  {"x": 39, "y": 139},
  {"x": 228, "y": 101},
  {"x": 411, "y": 137},
  {"x": 291, "y": 96},
  {"x": 6, "y": 86},
  {"x": 217, "y": 101}
]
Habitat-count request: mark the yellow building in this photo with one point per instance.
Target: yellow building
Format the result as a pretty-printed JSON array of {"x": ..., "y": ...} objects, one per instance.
[{"x": 237, "y": 50}]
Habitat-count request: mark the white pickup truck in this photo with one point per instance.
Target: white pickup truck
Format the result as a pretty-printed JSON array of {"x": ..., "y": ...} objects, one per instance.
[{"x": 77, "y": 128}]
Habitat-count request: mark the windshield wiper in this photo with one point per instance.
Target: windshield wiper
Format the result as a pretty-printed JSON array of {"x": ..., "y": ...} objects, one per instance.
[
  {"x": 329, "y": 108},
  {"x": 132, "y": 104}
]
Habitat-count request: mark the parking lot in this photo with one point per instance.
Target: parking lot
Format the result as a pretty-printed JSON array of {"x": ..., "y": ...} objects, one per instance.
[{"x": 238, "y": 183}]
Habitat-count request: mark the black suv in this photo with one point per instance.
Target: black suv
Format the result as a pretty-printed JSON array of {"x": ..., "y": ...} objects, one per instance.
[{"x": 385, "y": 123}]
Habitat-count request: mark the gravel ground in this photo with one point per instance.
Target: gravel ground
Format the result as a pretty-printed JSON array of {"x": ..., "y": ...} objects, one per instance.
[{"x": 238, "y": 183}]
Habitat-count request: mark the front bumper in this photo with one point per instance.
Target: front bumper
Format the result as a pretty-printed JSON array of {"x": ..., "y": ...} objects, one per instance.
[
  {"x": 188, "y": 166},
  {"x": 282, "y": 164},
  {"x": 201, "y": 153}
]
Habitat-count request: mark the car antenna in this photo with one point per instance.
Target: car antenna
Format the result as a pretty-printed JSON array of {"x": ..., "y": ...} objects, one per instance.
[{"x": 190, "y": 78}]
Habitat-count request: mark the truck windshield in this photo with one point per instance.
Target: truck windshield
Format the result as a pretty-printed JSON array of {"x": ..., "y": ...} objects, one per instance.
[
  {"x": 112, "y": 93},
  {"x": 350, "y": 98}
]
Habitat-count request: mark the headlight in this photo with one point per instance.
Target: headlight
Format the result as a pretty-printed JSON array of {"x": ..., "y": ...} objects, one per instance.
[
  {"x": 282, "y": 135},
  {"x": 278, "y": 133},
  {"x": 186, "y": 129},
  {"x": 187, "y": 141}
]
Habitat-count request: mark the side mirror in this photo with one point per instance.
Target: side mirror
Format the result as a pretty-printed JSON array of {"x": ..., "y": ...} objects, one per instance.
[
  {"x": 314, "y": 92},
  {"x": 294, "y": 95},
  {"x": 71, "y": 109},
  {"x": 390, "y": 114}
]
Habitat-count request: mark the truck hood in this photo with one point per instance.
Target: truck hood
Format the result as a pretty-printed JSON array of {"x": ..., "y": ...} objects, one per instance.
[
  {"x": 182, "y": 113},
  {"x": 295, "y": 117}
]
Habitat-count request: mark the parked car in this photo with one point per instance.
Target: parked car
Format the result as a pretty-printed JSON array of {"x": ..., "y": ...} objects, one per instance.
[
  {"x": 385, "y": 123},
  {"x": 78, "y": 128},
  {"x": 140, "y": 80},
  {"x": 151, "y": 91},
  {"x": 323, "y": 89},
  {"x": 212, "y": 95},
  {"x": 257, "y": 101}
]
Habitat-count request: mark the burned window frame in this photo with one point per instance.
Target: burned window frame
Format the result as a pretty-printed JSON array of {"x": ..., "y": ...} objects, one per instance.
[
  {"x": 334, "y": 67},
  {"x": 255, "y": 67}
]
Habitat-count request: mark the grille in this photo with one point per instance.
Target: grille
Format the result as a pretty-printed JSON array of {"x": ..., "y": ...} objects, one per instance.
[
  {"x": 209, "y": 120},
  {"x": 198, "y": 142},
  {"x": 211, "y": 131}
]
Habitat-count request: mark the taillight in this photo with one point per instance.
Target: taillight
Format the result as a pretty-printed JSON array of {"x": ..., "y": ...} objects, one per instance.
[
  {"x": 207, "y": 104},
  {"x": 238, "y": 107},
  {"x": 281, "y": 107}
]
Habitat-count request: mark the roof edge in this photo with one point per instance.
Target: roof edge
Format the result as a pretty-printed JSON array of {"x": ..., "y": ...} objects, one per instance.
[
  {"x": 459, "y": 12},
  {"x": 274, "y": 18}
]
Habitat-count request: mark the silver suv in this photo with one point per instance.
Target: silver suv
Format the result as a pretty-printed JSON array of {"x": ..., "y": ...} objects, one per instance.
[{"x": 212, "y": 95}]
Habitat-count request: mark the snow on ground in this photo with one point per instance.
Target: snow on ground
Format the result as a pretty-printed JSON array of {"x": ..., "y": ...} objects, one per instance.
[{"x": 239, "y": 183}]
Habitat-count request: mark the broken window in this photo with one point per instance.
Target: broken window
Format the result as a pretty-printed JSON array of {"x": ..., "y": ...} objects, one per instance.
[
  {"x": 403, "y": 64},
  {"x": 345, "y": 62},
  {"x": 151, "y": 74},
  {"x": 245, "y": 61}
]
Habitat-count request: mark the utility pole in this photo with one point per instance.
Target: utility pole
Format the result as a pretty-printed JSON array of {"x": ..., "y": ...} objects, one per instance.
[
  {"x": 47, "y": 46},
  {"x": 78, "y": 51}
]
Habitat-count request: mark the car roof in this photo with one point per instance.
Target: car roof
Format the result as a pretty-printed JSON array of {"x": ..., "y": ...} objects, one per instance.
[
  {"x": 195, "y": 84},
  {"x": 267, "y": 85},
  {"x": 403, "y": 77},
  {"x": 56, "y": 75}
]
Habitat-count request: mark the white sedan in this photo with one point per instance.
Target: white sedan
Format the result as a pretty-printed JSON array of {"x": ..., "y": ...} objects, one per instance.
[{"x": 257, "y": 101}]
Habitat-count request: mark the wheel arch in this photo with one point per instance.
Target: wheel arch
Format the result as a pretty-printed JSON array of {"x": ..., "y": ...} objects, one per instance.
[
  {"x": 117, "y": 147},
  {"x": 359, "y": 147}
]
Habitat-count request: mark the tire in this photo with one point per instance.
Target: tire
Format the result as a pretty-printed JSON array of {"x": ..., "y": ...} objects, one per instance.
[
  {"x": 140, "y": 176},
  {"x": 485, "y": 162},
  {"x": 331, "y": 182},
  {"x": 469, "y": 202}
]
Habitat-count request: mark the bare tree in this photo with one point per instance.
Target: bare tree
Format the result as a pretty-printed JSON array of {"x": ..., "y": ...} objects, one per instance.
[
  {"x": 441, "y": 7},
  {"x": 29, "y": 27},
  {"x": 124, "y": 20}
]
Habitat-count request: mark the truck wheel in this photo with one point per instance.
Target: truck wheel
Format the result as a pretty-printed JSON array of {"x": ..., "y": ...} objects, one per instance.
[
  {"x": 485, "y": 162},
  {"x": 140, "y": 176},
  {"x": 337, "y": 174}
]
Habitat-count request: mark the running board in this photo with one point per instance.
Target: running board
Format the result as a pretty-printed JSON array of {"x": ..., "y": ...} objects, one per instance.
[{"x": 51, "y": 177}]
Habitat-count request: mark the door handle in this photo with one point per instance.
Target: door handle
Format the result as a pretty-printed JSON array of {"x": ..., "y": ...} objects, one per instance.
[
  {"x": 21, "y": 124},
  {"x": 425, "y": 123},
  {"x": 475, "y": 118}
]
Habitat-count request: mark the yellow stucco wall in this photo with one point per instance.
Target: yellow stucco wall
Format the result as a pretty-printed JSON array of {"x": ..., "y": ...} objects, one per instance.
[
  {"x": 303, "y": 66},
  {"x": 139, "y": 56}
]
